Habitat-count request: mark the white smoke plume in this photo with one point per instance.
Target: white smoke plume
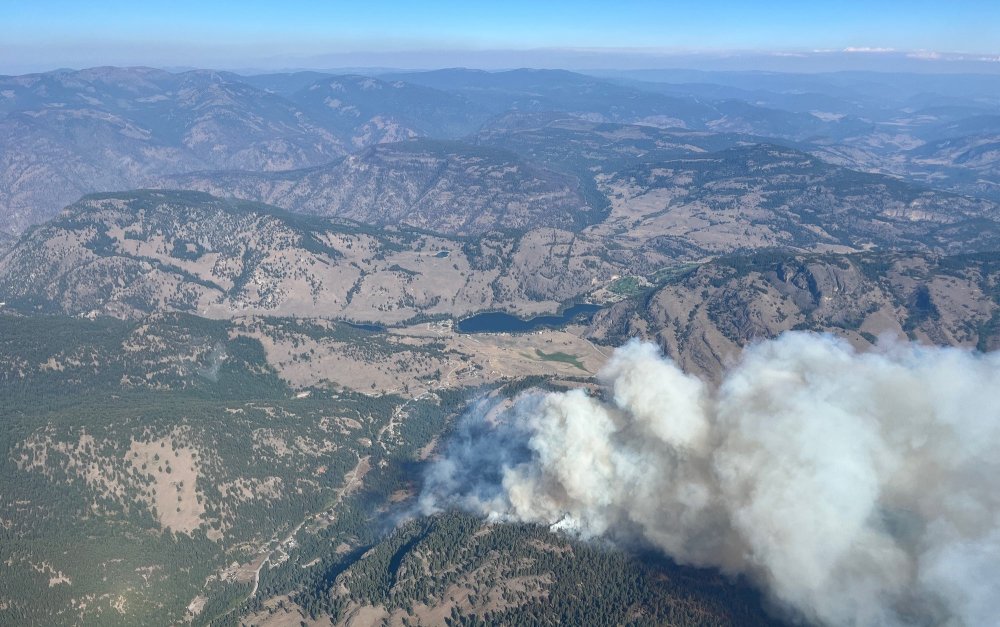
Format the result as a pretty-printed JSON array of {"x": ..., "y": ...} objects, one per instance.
[{"x": 854, "y": 488}]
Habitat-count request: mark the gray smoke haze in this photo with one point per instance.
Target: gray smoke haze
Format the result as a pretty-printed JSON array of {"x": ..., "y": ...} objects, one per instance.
[
  {"x": 214, "y": 361},
  {"x": 854, "y": 488}
]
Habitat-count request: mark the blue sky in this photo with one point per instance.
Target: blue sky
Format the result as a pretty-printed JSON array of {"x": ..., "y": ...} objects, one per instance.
[{"x": 52, "y": 33}]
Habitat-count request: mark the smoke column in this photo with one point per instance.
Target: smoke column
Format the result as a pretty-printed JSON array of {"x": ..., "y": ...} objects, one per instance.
[{"x": 854, "y": 488}]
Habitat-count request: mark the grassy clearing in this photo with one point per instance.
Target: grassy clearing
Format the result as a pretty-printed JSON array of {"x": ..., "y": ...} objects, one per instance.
[
  {"x": 673, "y": 273},
  {"x": 626, "y": 286}
]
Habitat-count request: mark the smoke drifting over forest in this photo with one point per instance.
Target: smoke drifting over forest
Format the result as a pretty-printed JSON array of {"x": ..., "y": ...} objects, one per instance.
[{"x": 854, "y": 488}]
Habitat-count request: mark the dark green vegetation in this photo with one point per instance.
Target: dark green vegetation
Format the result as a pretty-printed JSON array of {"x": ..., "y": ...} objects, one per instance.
[
  {"x": 50, "y": 357},
  {"x": 456, "y": 570},
  {"x": 159, "y": 469},
  {"x": 572, "y": 360},
  {"x": 626, "y": 286},
  {"x": 141, "y": 460}
]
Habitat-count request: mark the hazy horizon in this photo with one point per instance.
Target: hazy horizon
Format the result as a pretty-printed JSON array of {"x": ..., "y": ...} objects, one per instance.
[
  {"x": 630, "y": 35},
  {"x": 826, "y": 63}
]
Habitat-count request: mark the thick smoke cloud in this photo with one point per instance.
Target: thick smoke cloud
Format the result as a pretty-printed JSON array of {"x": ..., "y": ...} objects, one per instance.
[{"x": 856, "y": 489}]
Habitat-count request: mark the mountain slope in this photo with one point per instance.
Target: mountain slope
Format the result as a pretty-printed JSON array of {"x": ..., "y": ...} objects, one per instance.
[
  {"x": 762, "y": 196},
  {"x": 67, "y": 133},
  {"x": 455, "y": 569},
  {"x": 633, "y": 102},
  {"x": 152, "y": 468},
  {"x": 704, "y": 314},
  {"x": 365, "y": 110},
  {"x": 131, "y": 253},
  {"x": 444, "y": 187}
]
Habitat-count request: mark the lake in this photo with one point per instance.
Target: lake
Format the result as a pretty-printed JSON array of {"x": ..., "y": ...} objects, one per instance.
[{"x": 497, "y": 322}]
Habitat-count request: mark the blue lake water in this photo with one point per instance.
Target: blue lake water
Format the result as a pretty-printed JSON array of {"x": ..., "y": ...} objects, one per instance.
[{"x": 496, "y": 322}]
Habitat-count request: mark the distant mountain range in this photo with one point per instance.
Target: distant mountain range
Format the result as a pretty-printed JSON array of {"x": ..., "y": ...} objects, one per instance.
[
  {"x": 446, "y": 187},
  {"x": 67, "y": 133}
]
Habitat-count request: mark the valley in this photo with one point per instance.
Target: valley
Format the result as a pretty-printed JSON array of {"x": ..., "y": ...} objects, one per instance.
[{"x": 245, "y": 318}]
